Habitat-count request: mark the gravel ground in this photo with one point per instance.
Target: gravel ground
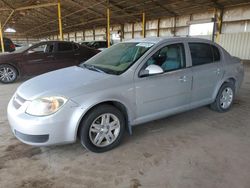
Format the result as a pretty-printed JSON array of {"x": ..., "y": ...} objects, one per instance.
[{"x": 195, "y": 149}]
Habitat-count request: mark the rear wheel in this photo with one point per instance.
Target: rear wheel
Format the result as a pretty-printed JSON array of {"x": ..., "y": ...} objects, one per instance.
[
  {"x": 225, "y": 97},
  {"x": 102, "y": 129},
  {"x": 8, "y": 74}
]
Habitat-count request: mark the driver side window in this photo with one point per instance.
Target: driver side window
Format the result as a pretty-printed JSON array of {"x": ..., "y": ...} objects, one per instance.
[
  {"x": 169, "y": 58},
  {"x": 43, "y": 48}
]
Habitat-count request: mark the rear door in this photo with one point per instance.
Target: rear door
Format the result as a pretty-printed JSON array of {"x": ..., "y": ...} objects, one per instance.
[
  {"x": 206, "y": 72},
  {"x": 66, "y": 54}
]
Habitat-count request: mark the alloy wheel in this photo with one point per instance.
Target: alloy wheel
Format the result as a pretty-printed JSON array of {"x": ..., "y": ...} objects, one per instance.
[
  {"x": 7, "y": 74},
  {"x": 226, "y": 98},
  {"x": 104, "y": 130}
]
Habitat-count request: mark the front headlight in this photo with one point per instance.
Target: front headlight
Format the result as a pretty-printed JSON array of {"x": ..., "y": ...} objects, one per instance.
[{"x": 46, "y": 105}]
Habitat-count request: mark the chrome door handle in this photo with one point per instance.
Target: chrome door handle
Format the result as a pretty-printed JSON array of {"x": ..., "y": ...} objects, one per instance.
[
  {"x": 76, "y": 54},
  {"x": 183, "y": 79}
]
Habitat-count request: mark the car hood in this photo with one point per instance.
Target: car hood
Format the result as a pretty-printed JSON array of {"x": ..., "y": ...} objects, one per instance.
[{"x": 68, "y": 82}]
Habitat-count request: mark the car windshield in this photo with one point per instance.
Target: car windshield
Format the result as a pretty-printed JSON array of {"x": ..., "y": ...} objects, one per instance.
[{"x": 118, "y": 58}]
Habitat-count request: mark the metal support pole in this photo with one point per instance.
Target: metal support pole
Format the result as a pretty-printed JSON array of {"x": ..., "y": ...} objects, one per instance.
[
  {"x": 158, "y": 27},
  {"x": 143, "y": 25},
  {"x": 108, "y": 27},
  {"x": 1, "y": 37},
  {"x": 133, "y": 30},
  {"x": 122, "y": 33},
  {"x": 60, "y": 20},
  {"x": 214, "y": 27},
  {"x": 174, "y": 26},
  {"x": 6, "y": 21},
  {"x": 219, "y": 25},
  {"x": 83, "y": 35}
]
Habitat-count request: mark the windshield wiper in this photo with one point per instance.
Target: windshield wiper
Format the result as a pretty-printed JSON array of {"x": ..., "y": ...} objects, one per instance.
[{"x": 92, "y": 67}]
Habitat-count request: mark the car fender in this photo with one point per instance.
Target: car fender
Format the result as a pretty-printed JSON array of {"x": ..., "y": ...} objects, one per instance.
[
  {"x": 84, "y": 109},
  {"x": 220, "y": 83}
]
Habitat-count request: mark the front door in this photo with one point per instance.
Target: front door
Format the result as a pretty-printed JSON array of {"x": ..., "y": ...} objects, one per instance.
[
  {"x": 166, "y": 93},
  {"x": 38, "y": 59}
]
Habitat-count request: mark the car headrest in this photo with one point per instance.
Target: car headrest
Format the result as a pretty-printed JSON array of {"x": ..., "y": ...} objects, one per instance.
[{"x": 172, "y": 53}]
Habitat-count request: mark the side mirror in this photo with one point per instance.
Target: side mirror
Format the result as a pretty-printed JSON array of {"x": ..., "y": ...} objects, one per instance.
[{"x": 151, "y": 70}]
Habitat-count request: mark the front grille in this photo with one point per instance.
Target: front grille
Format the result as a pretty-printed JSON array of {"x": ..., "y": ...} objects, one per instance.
[{"x": 18, "y": 101}]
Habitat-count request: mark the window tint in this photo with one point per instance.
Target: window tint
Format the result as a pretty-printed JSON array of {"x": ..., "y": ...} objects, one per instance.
[
  {"x": 49, "y": 48},
  {"x": 201, "y": 53},
  {"x": 103, "y": 44},
  {"x": 45, "y": 48},
  {"x": 171, "y": 57},
  {"x": 216, "y": 53},
  {"x": 39, "y": 48},
  {"x": 64, "y": 46}
]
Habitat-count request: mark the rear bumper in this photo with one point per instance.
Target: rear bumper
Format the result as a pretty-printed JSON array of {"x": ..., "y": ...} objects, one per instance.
[{"x": 240, "y": 77}]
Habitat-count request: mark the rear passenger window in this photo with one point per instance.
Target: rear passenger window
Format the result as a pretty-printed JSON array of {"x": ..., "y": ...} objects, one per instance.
[
  {"x": 216, "y": 53},
  {"x": 64, "y": 46},
  {"x": 201, "y": 53}
]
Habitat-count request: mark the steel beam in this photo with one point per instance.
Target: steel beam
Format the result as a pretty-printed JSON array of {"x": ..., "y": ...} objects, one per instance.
[{"x": 37, "y": 6}]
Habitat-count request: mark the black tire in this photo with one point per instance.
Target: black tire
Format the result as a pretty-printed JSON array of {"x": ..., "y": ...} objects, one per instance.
[
  {"x": 11, "y": 78},
  {"x": 92, "y": 116},
  {"x": 216, "y": 105}
]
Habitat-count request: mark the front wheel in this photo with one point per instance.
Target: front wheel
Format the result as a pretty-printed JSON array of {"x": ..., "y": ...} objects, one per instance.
[
  {"x": 8, "y": 74},
  {"x": 225, "y": 97},
  {"x": 102, "y": 129}
]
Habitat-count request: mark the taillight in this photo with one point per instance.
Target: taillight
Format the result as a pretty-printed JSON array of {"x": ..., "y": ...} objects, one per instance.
[{"x": 12, "y": 46}]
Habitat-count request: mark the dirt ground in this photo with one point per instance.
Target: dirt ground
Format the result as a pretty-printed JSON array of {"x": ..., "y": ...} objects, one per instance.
[{"x": 196, "y": 149}]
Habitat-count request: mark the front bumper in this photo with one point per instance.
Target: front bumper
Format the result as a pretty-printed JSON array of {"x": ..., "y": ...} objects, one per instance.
[{"x": 58, "y": 128}]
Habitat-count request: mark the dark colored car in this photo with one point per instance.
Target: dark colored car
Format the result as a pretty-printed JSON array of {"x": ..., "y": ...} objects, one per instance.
[
  {"x": 9, "y": 46},
  {"x": 85, "y": 43},
  {"x": 100, "y": 45},
  {"x": 41, "y": 58}
]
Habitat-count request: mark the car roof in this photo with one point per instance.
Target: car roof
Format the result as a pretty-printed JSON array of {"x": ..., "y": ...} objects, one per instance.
[{"x": 169, "y": 39}]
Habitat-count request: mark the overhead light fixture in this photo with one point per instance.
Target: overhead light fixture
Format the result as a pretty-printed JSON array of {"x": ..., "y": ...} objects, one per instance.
[{"x": 10, "y": 30}]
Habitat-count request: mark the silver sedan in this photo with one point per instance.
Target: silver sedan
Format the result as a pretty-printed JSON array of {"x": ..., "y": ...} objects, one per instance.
[{"x": 128, "y": 84}]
